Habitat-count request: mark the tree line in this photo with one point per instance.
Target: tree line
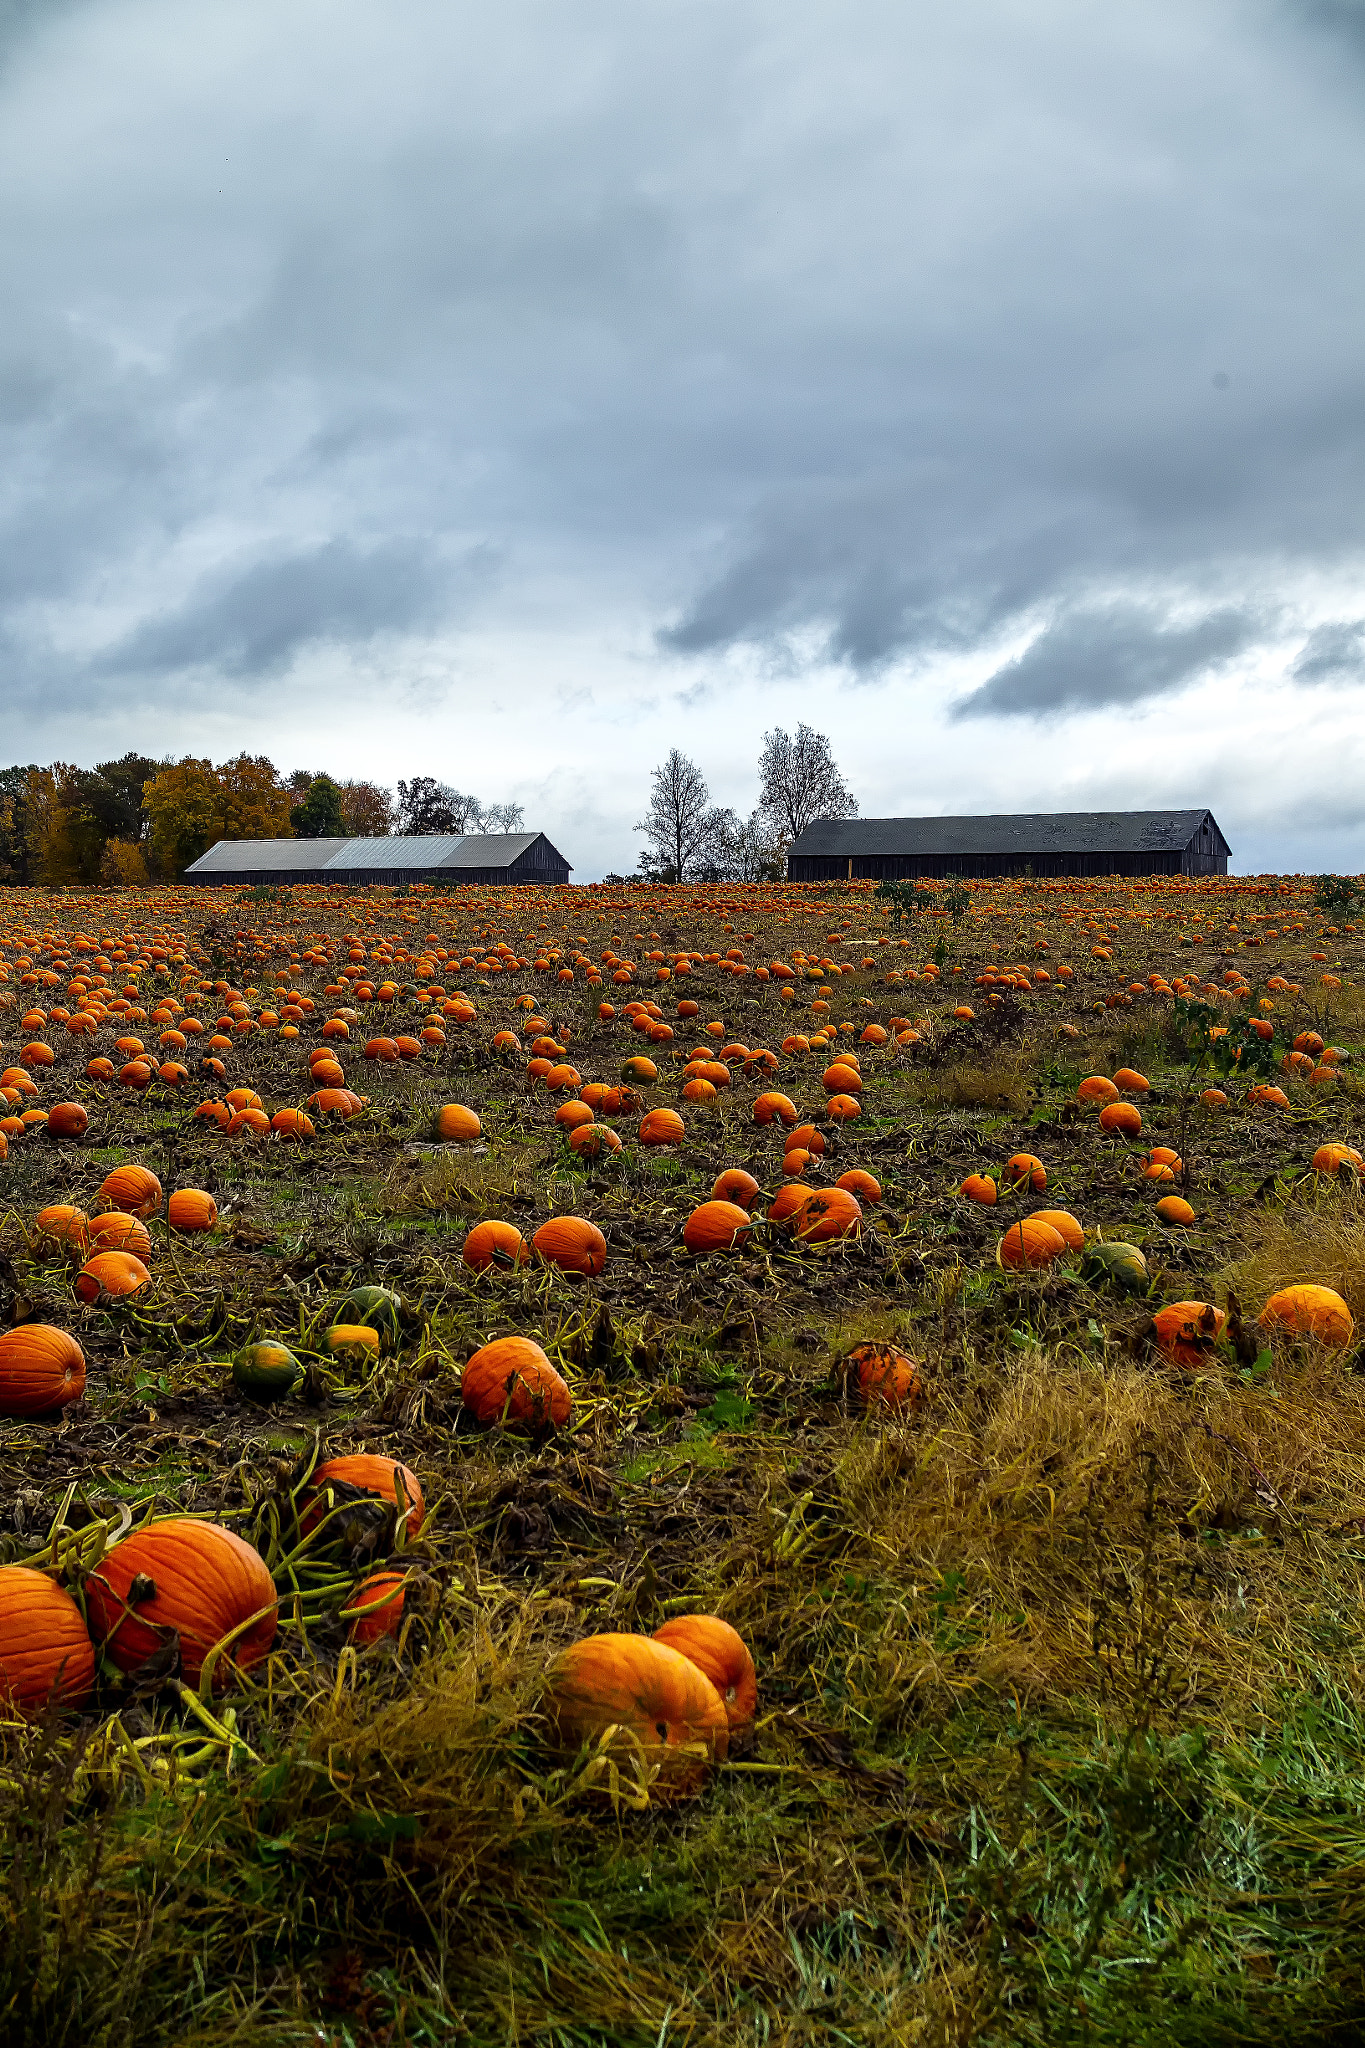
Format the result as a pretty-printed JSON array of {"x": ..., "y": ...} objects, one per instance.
[
  {"x": 688, "y": 839},
  {"x": 137, "y": 820}
]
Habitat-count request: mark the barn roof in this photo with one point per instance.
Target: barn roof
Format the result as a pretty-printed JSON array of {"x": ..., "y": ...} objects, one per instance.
[
  {"x": 1025, "y": 833},
  {"x": 420, "y": 852}
]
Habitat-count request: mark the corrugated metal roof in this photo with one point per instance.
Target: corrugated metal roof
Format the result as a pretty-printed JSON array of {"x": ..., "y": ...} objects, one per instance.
[
  {"x": 419, "y": 851},
  {"x": 489, "y": 849},
  {"x": 254, "y": 856},
  {"x": 1032, "y": 832}
]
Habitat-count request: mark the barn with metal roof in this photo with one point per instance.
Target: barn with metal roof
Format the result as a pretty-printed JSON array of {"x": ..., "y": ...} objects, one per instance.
[
  {"x": 452, "y": 858},
  {"x": 1035, "y": 843}
]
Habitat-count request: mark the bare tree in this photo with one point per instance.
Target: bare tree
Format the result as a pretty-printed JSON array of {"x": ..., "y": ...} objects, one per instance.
[
  {"x": 675, "y": 824},
  {"x": 799, "y": 781},
  {"x": 506, "y": 817},
  {"x": 739, "y": 849}
]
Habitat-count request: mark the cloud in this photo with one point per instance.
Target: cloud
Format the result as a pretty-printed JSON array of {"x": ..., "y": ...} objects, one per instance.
[
  {"x": 1334, "y": 653},
  {"x": 1114, "y": 654},
  {"x": 253, "y": 623}
]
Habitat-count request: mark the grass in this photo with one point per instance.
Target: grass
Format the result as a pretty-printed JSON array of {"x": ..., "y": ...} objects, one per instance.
[{"x": 1062, "y": 1707}]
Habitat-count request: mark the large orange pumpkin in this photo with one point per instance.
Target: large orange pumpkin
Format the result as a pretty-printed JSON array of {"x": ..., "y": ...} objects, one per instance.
[
  {"x": 1030, "y": 1243},
  {"x": 375, "y": 1609},
  {"x": 191, "y": 1209},
  {"x": 735, "y": 1185},
  {"x": 827, "y": 1213},
  {"x": 662, "y": 1127},
  {"x": 1025, "y": 1168},
  {"x": 1066, "y": 1226},
  {"x": 110, "y": 1276},
  {"x": 193, "y": 1578},
  {"x": 772, "y": 1107},
  {"x": 115, "y": 1231},
  {"x": 660, "y": 1700},
  {"x": 573, "y": 1244},
  {"x": 67, "y": 1120},
  {"x": 456, "y": 1125},
  {"x": 1308, "y": 1311},
  {"x": 63, "y": 1223},
  {"x": 495, "y": 1243},
  {"x": 41, "y": 1368},
  {"x": 716, "y": 1227},
  {"x": 46, "y": 1655},
  {"x": 133, "y": 1188},
  {"x": 886, "y": 1376},
  {"x": 511, "y": 1380},
  {"x": 979, "y": 1187},
  {"x": 722, "y": 1655},
  {"x": 368, "y": 1474}
]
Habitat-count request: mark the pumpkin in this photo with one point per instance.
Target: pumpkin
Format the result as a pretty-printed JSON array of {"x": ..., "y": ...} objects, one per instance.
[
  {"x": 248, "y": 1123},
  {"x": 67, "y": 1120},
  {"x": 841, "y": 1079},
  {"x": 720, "y": 1654},
  {"x": 378, "y": 1306},
  {"x": 772, "y": 1107},
  {"x": 573, "y": 1244},
  {"x": 63, "y": 1223},
  {"x": 368, "y": 1476},
  {"x": 41, "y": 1368},
  {"x": 807, "y": 1138},
  {"x": 1131, "y": 1082},
  {"x": 195, "y": 1579},
  {"x": 292, "y": 1123},
  {"x": 116, "y": 1232},
  {"x": 979, "y": 1187},
  {"x": 495, "y": 1244},
  {"x": 358, "y": 1337},
  {"x": 375, "y": 1608},
  {"x": 337, "y": 1102},
  {"x": 1186, "y": 1331},
  {"x": 795, "y": 1164},
  {"x": 1120, "y": 1266},
  {"x": 657, "y": 1697},
  {"x": 589, "y": 1141},
  {"x": 1267, "y": 1097},
  {"x": 1213, "y": 1098},
  {"x": 1175, "y": 1209},
  {"x": 132, "y": 1188},
  {"x": 1097, "y": 1088},
  {"x": 1024, "y": 1167},
  {"x": 1121, "y": 1116},
  {"x": 843, "y": 1108},
  {"x": 512, "y": 1381},
  {"x": 735, "y": 1185},
  {"x": 1328, "y": 1159},
  {"x": 109, "y": 1276},
  {"x": 886, "y": 1376},
  {"x": 215, "y": 1113},
  {"x": 456, "y": 1125},
  {"x": 786, "y": 1202},
  {"x": 716, "y": 1227},
  {"x": 662, "y": 1127},
  {"x": 861, "y": 1184},
  {"x": 191, "y": 1209},
  {"x": 1030, "y": 1243},
  {"x": 639, "y": 1071},
  {"x": 826, "y": 1214},
  {"x": 1065, "y": 1225},
  {"x": 46, "y": 1656},
  {"x": 570, "y": 1115},
  {"x": 266, "y": 1371},
  {"x": 1308, "y": 1311}
]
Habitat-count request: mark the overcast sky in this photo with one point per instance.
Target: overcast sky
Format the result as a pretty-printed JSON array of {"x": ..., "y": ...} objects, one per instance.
[{"x": 510, "y": 393}]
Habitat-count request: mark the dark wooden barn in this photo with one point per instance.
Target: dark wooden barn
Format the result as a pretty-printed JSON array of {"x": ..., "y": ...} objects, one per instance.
[
  {"x": 450, "y": 859},
  {"x": 1037, "y": 843}
]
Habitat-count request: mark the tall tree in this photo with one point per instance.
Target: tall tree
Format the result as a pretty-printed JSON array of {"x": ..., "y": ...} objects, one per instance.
[
  {"x": 367, "y": 811},
  {"x": 16, "y": 845},
  {"x": 192, "y": 804},
  {"x": 319, "y": 815},
  {"x": 799, "y": 781},
  {"x": 424, "y": 806},
  {"x": 675, "y": 824}
]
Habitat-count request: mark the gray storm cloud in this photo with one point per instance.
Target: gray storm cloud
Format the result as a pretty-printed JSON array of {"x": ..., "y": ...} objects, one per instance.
[{"x": 856, "y": 338}]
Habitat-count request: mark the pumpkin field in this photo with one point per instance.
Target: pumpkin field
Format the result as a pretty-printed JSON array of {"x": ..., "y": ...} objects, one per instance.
[{"x": 639, "y": 1466}]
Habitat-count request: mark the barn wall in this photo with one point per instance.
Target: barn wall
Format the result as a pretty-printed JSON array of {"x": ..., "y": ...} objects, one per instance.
[{"x": 982, "y": 867}]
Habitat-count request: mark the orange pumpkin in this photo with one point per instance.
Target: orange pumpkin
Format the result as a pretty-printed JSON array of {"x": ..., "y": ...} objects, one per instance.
[
  {"x": 826, "y": 1214},
  {"x": 1131, "y": 1082},
  {"x": 495, "y": 1244},
  {"x": 886, "y": 1376},
  {"x": 662, "y": 1127},
  {"x": 1174, "y": 1209},
  {"x": 735, "y": 1185},
  {"x": 512, "y": 1381},
  {"x": 861, "y": 1184},
  {"x": 716, "y": 1227},
  {"x": 1309, "y": 1311},
  {"x": 375, "y": 1609},
  {"x": 841, "y": 1079},
  {"x": 291, "y": 1124},
  {"x": 843, "y": 1108},
  {"x": 589, "y": 1141},
  {"x": 192, "y": 1579},
  {"x": 41, "y": 1368},
  {"x": 369, "y": 1476},
  {"x": 1024, "y": 1167},
  {"x": 110, "y": 1276},
  {"x": 67, "y": 1120},
  {"x": 721, "y": 1654},
  {"x": 1030, "y": 1243},
  {"x": 807, "y": 1138},
  {"x": 661, "y": 1702},
  {"x": 772, "y": 1107},
  {"x": 46, "y": 1655},
  {"x": 573, "y": 1244},
  {"x": 1121, "y": 1116},
  {"x": 1186, "y": 1331},
  {"x": 979, "y": 1187},
  {"x": 116, "y": 1232},
  {"x": 64, "y": 1223},
  {"x": 1097, "y": 1088},
  {"x": 132, "y": 1188},
  {"x": 786, "y": 1202},
  {"x": 1065, "y": 1224},
  {"x": 456, "y": 1125}
]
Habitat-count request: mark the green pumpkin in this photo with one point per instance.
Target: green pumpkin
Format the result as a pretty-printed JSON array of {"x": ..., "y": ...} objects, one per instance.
[
  {"x": 378, "y": 1306},
  {"x": 266, "y": 1371},
  {"x": 1120, "y": 1266}
]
